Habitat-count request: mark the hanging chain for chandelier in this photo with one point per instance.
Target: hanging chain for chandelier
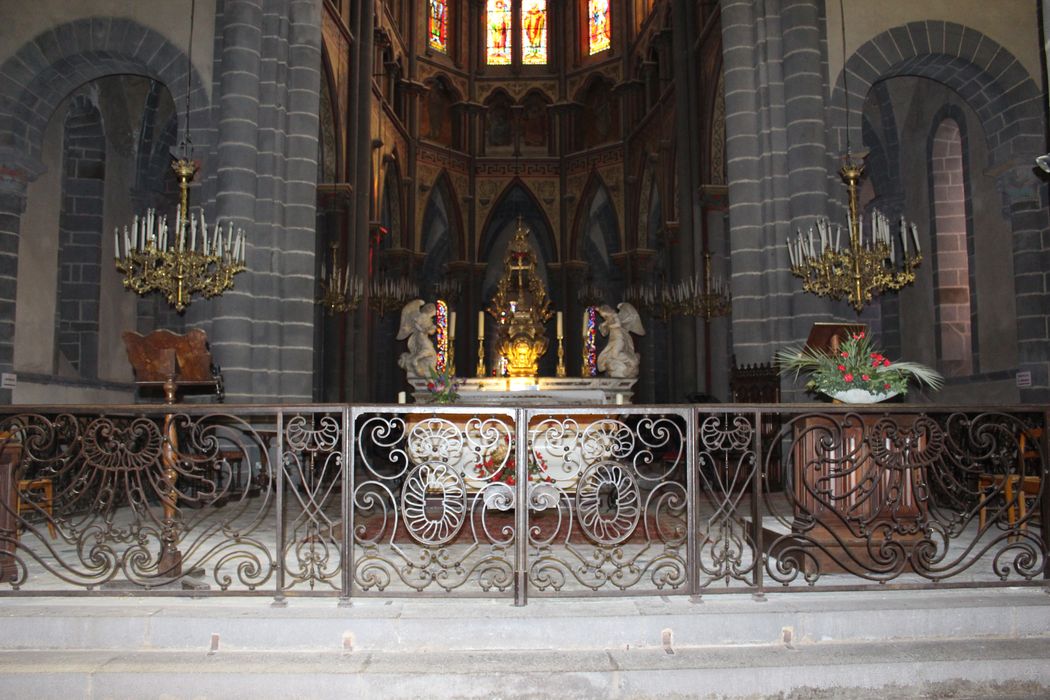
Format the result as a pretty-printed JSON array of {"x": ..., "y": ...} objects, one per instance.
[
  {"x": 869, "y": 266},
  {"x": 180, "y": 262}
]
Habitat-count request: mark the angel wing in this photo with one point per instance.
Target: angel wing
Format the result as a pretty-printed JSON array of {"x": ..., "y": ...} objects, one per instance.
[
  {"x": 630, "y": 318},
  {"x": 408, "y": 318}
]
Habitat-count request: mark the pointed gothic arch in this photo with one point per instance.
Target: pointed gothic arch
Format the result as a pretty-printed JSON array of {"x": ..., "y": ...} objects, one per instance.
[
  {"x": 597, "y": 237},
  {"x": 441, "y": 233},
  {"x": 515, "y": 200}
]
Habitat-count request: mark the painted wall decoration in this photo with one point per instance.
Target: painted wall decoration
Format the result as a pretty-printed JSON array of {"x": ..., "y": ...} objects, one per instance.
[
  {"x": 498, "y": 27},
  {"x": 437, "y": 28},
  {"x": 599, "y": 26},
  {"x": 534, "y": 32}
]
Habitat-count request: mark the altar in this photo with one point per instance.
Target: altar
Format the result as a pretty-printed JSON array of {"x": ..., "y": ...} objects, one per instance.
[{"x": 536, "y": 391}]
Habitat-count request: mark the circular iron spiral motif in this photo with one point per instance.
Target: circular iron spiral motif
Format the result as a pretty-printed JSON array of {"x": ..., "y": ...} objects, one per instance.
[
  {"x": 442, "y": 520},
  {"x": 614, "y": 520}
]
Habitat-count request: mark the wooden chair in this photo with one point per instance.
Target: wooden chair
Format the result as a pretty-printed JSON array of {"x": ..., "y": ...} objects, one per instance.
[
  {"x": 44, "y": 502},
  {"x": 1016, "y": 488}
]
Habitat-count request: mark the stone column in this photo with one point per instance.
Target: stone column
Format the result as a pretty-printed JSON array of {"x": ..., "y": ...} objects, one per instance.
[
  {"x": 266, "y": 170},
  {"x": 361, "y": 169},
  {"x": 775, "y": 132}
]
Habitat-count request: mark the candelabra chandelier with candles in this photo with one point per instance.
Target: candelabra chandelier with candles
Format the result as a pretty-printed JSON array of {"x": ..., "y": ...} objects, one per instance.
[
  {"x": 387, "y": 294},
  {"x": 181, "y": 261},
  {"x": 590, "y": 294},
  {"x": 869, "y": 266},
  {"x": 655, "y": 298},
  {"x": 702, "y": 296},
  {"x": 340, "y": 291},
  {"x": 448, "y": 288}
]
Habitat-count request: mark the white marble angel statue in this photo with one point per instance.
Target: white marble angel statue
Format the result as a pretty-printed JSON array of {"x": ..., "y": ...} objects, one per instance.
[
  {"x": 417, "y": 322},
  {"x": 619, "y": 359}
]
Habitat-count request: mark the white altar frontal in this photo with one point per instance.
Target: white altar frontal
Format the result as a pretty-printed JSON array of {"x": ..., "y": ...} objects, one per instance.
[{"x": 536, "y": 391}]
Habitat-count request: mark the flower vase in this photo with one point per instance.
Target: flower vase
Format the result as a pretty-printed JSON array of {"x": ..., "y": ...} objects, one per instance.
[{"x": 860, "y": 396}]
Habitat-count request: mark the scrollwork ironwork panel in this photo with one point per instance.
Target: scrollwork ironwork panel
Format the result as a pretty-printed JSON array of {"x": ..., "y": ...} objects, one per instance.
[
  {"x": 726, "y": 466},
  {"x": 312, "y": 462},
  {"x": 433, "y": 502},
  {"x": 607, "y": 502},
  {"x": 134, "y": 501},
  {"x": 906, "y": 497}
]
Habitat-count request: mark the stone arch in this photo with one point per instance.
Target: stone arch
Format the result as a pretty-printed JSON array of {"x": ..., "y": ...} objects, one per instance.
[
  {"x": 982, "y": 72},
  {"x": 439, "y": 120},
  {"x": 499, "y": 121},
  {"x": 536, "y": 120},
  {"x": 57, "y": 61},
  {"x": 1008, "y": 107},
  {"x": 598, "y": 121}
]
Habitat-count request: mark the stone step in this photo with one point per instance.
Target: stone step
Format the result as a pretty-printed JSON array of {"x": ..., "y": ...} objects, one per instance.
[
  {"x": 956, "y": 668},
  {"x": 459, "y": 625}
]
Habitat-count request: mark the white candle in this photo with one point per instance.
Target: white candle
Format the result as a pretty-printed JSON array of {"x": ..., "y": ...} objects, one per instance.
[
  {"x": 401, "y": 397},
  {"x": 619, "y": 399},
  {"x": 559, "y": 325},
  {"x": 915, "y": 237},
  {"x": 452, "y": 326},
  {"x": 481, "y": 325}
]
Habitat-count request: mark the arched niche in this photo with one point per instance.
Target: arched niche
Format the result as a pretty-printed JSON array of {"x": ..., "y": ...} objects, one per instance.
[
  {"x": 598, "y": 240},
  {"x": 439, "y": 236},
  {"x": 516, "y": 201}
]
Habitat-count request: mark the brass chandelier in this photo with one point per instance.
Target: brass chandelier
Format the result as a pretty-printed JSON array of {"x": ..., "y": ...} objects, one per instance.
[
  {"x": 868, "y": 266},
  {"x": 703, "y": 296},
  {"x": 181, "y": 261},
  {"x": 341, "y": 292}
]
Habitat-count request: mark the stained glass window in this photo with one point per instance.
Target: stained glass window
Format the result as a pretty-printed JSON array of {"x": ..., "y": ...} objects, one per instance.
[
  {"x": 442, "y": 333},
  {"x": 438, "y": 25},
  {"x": 534, "y": 32},
  {"x": 498, "y": 25},
  {"x": 599, "y": 28},
  {"x": 590, "y": 341}
]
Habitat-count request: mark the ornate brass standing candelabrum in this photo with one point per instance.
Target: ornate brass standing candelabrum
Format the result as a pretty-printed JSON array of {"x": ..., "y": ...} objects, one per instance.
[
  {"x": 865, "y": 269},
  {"x": 181, "y": 262}
]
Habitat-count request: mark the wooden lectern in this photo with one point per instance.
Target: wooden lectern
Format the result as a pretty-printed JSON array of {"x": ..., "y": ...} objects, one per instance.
[
  {"x": 172, "y": 361},
  {"x": 825, "y": 337},
  {"x": 165, "y": 359},
  {"x": 849, "y": 503}
]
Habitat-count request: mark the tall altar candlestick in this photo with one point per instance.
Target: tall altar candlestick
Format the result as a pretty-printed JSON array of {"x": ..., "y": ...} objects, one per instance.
[
  {"x": 452, "y": 326},
  {"x": 559, "y": 325}
]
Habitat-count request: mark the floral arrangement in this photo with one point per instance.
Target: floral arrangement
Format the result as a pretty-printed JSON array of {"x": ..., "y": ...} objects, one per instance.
[
  {"x": 857, "y": 365},
  {"x": 490, "y": 468},
  {"x": 443, "y": 386}
]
